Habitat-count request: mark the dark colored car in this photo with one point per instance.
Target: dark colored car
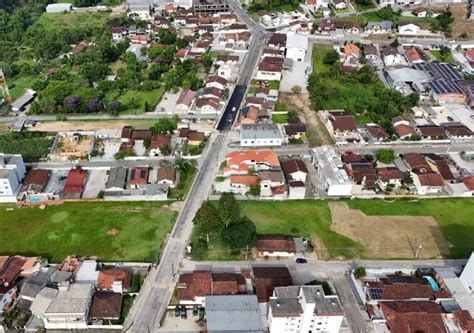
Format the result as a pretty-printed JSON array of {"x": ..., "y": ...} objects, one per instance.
[
  {"x": 301, "y": 261},
  {"x": 184, "y": 313},
  {"x": 195, "y": 310},
  {"x": 177, "y": 312}
]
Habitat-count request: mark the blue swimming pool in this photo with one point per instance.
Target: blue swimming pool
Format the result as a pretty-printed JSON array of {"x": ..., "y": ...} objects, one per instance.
[
  {"x": 432, "y": 282},
  {"x": 33, "y": 199}
]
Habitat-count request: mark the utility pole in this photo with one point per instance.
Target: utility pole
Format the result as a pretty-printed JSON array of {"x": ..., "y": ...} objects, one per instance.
[{"x": 5, "y": 92}]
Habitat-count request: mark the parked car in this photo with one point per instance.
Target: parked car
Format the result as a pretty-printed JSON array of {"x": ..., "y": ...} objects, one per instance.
[
  {"x": 184, "y": 313},
  {"x": 195, "y": 311},
  {"x": 301, "y": 261},
  {"x": 177, "y": 312}
]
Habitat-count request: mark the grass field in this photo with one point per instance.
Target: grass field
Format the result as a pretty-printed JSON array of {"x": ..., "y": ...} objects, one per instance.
[
  {"x": 59, "y": 21},
  {"x": 280, "y": 118},
  {"x": 141, "y": 97},
  {"x": 81, "y": 229},
  {"x": 18, "y": 87},
  {"x": 301, "y": 218},
  {"x": 454, "y": 216}
]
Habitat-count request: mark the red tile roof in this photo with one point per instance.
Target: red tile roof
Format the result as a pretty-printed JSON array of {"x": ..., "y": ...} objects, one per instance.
[
  {"x": 389, "y": 173},
  {"x": 239, "y": 160},
  {"x": 75, "y": 181},
  {"x": 166, "y": 173},
  {"x": 429, "y": 178},
  {"x": 464, "y": 320},
  {"x": 159, "y": 140},
  {"x": 139, "y": 176},
  {"x": 106, "y": 305},
  {"x": 248, "y": 180},
  {"x": 108, "y": 276},
  {"x": 271, "y": 64},
  {"x": 416, "y": 161},
  {"x": 186, "y": 97},
  {"x": 469, "y": 182},
  {"x": 343, "y": 121},
  {"x": 205, "y": 283},
  {"x": 212, "y": 102},
  {"x": 37, "y": 177},
  {"x": 377, "y": 132},
  {"x": 267, "y": 278},
  {"x": 412, "y": 317},
  {"x": 403, "y": 130},
  {"x": 291, "y": 166},
  {"x": 271, "y": 243},
  {"x": 11, "y": 269}
]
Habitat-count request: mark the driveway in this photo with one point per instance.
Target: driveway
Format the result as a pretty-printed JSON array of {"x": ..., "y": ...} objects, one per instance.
[
  {"x": 297, "y": 76},
  {"x": 95, "y": 183}
]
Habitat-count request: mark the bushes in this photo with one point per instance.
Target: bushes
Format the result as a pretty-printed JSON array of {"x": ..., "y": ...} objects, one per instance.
[{"x": 31, "y": 145}]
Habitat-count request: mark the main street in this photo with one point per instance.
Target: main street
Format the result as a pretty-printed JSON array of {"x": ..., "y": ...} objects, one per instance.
[{"x": 150, "y": 306}]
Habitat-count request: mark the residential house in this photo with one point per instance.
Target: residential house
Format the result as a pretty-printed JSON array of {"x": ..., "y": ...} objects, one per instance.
[
  {"x": 377, "y": 133},
  {"x": 225, "y": 59},
  {"x": 193, "y": 137},
  {"x": 266, "y": 278},
  {"x": 295, "y": 130},
  {"x": 325, "y": 26},
  {"x": 238, "y": 162},
  {"x": 275, "y": 246},
  {"x": 270, "y": 68},
  {"x": 117, "y": 180},
  {"x": 414, "y": 55},
  {"x": 458, "y": 132},
  {"x": 185, "y": 100},
  {"x": 278, "y": 41},
  {"x": 371, "y": 53},
  {"x": 296, "y": 48},
  {"x": 12, "y": 172},
  {"x": 118, "y": 33},
  {"x": 8, "y": 293},
  {"x": 391, "y": 56},
  {"x": 166, "y": 175},
  {"x": 295, "y": 173},
  {"x": 430, "y": 132},
  {"x": 64, "y": 308},
  {"x": 304, "y": 309},
  {"x": 427, "y": 181},
  {"x": 117, "y": 280},
  {"x": 249, "y": 115},
  {"x": 272, "y": 184},
  {"x": 362, "y": 173},
  {"x": 260, "y": 135},
  {"x": 34, "y": 186},
  {"x": 351, "y": 53},
  {"x": 340, "y": 4},
  {"x": 106, "y": 306},
  {"x": 87, "y": 273},
  {"x": 389, "y": 176},
  {"x": 138, "y": 177},
  {"x": 342, "y": 126},
  {"x": 404, "y": 131},
  {"x": 193, "y": 287},
  {"x": 75, "y": 182},
  {"x": 384, "y": 27},
  {"x": 207, "y": 105},
  {"x": 408, "y": 29},
  {"x": 159, "y": 144},
  {"x": 241, "y": 184},
  {"x": 216, "y": 81},
  {"x": 343, "y": 28},
  {"x": 440, "y": 165}
]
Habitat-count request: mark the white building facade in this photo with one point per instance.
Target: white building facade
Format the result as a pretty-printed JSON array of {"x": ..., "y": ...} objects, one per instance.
[{"x": 12, "y": 172}]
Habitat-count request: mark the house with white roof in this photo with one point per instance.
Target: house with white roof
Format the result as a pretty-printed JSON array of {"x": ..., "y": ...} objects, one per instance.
[{"x": 296, "y": 47}]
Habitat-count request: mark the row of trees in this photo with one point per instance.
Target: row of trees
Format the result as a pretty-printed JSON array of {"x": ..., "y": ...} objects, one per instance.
[{"x": 225, "y": 221}]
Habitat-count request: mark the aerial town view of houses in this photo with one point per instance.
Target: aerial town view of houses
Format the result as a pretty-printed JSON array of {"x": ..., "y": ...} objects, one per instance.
[{"x": 237, "y": 166}]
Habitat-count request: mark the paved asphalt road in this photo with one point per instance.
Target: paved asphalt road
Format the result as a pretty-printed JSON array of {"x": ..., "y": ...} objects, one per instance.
[{"x": 150, "y": 306}]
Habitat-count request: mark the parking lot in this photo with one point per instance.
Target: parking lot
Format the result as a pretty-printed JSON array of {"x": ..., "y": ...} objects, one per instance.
[{"x": 172, "y": 323}]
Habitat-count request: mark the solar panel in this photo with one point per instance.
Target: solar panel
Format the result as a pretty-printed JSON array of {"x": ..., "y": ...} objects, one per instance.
[
  {"x": 376, "y": 293},
  {"x": 397, "y": 279}
]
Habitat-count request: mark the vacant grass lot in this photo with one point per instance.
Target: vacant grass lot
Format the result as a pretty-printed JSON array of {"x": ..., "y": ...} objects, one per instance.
[
  {"x": 308, "y": 218},
  {"x": 60, "y": 21},
  {"x": 18, "y": 87},
  {"x": 139, "y": 98},
  {"x": 454, "y": 216},
  {"x": 442, "y": 57},
  {"x": 82, "y": 229},
  {"x": 280, "y": 118}
]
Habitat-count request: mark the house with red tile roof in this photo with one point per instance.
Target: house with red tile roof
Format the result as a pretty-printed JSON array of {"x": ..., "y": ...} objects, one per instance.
[
  {"x": 351, "y": 53},
  {"x": 185, "y": 100},
  {"x": 341, "y": 125},
  {"x": 270, "y": 68},
  {"x": 138, "y": 177},
  {"x": 166, "y": 175},
  {"x": 240, "y": 184},
  {"x": 158, "y": 144},
  {"x": 193, "y": 137},
  {"x": 266, "y": 278},
  {"x": 207, "y": 105},
  {"x": 11, "y": 269},
  {"x": 275, "y": 246},
  {"x": 116, "y": 280},
  {"x": 412, "y": 316},
  {"x": 216, "y": 81},
  {"x": 36, "y": 181},
  {"x": 105, "y": 306},
  {"x": 75, "y": 182},
  {"x": 404, "y": 131},
  {"x": 193, "y": 287},
  {"x": 427, "y": 181},
  {"x": 238, "y": 162},
  {"x": 389, "y": 176}
]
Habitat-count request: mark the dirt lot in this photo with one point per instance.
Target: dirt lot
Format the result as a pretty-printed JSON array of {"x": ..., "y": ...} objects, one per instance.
[
  {"x": 390, "y": 236},
  {"x": 317, "y": 133},
  {"x": 65, "y": 126},
  {"x": 72, "y": 148},
  {"x": 461, "y": 21}
]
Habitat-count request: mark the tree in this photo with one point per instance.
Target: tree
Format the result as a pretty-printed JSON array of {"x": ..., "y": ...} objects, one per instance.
[
  {"x": 296, "y": 89},
  {"x": 292, "y": 114},
  {"x": 240, "y": 235},
  {"x": 208, "y": 220},
  {"x": 207, "y": 62},
  {"x": 72, "y": 104},
  {"x": 331, "y": 58},
  {"x": 326, "y": 287},
  {"x": 395, "y": 43},
  {"x": 114, "y": 108},
  {"x": 146, "y": 107},
  {"x": 94, "y": 72},
  {"x": 360, "y": 272},
  {"x": 164, "y": 126},
  {"x": 386, "y": 155},
  {"x": 254, "y": 190},
  {"x": 94, "y": 105},
  {"x": 229, "y": 209}
]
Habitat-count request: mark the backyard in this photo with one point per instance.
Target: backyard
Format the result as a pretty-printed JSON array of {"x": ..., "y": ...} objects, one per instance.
[{"x": 126, "y": 231}]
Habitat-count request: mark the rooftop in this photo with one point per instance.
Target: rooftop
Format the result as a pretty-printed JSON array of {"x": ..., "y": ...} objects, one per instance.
[{"x": 259, "y": 131}]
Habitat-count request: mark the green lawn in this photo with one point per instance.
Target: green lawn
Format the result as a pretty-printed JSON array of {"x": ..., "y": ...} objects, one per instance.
[
  {"x": 18, "y": 87},
  {"x": 300, "y": 218},
  {"x": 60, "y": 21},
  {"x": 280, "y": 118},
  {"x": 442, "y": 58},
  {"x": 134, "y": 101},
  {"x": 81, "y": 229},
  {"x": 318, "y": 54},
  {"x": 454, "y": 216}
]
